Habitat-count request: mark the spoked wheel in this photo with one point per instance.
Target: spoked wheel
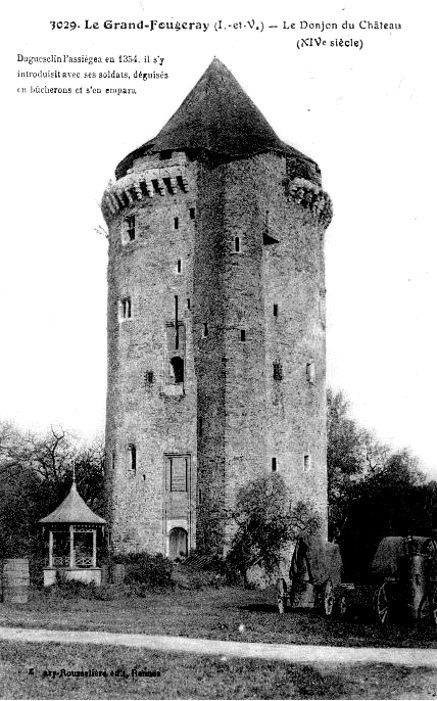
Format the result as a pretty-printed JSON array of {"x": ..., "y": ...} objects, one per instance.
[
  {"x": 328, "y": 598},
  {"x": 430, "y": 548},
  {"x": 383, "y": 604},
  {"x": 341, "y": 605},
  {"x": 282, "y": 595},
  {"x": 424, "y": 610},
  {"x": 428, "y": 609},
  {"x": 433, "y": 608}
]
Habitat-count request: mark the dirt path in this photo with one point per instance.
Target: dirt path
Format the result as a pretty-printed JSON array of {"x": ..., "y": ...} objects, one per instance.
[{"x": 322, "y": 654}]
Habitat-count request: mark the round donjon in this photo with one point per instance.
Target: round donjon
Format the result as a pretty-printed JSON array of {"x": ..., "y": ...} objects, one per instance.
[{"x": 216, "y": 323}]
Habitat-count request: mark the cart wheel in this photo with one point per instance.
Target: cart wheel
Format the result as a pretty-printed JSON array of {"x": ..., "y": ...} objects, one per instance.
[
  {"x": 383, "y": 604},
  {"x": 424, "y": 610},
  {"x": 433, "y": 610},
  {"x": 430, "y": 548},
  {"x": 282, "y": 595},
  {"x": 428, "y": 609},
  {"x": 328, "y": 598},
  {"x": 341, "y": 605}
]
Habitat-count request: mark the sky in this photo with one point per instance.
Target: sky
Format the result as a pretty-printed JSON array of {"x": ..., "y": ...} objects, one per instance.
[{"x": 366, "y": 115}]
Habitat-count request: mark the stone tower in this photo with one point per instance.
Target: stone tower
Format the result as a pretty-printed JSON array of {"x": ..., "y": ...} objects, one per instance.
[{"x": 216, "y": 322}]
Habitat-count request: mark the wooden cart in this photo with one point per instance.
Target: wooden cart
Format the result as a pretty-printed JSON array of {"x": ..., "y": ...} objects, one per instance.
[
  {"x": 313, "y": 577},
  {"x": 402, "y": 584}
]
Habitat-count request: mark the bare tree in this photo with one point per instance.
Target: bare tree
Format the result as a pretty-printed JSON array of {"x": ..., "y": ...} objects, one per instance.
[{"x": 36, "y": 475}]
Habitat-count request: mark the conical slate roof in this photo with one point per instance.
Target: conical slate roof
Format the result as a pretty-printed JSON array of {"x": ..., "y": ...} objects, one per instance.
[
  {"x": 218, "y": 116},
  {"x": 73, "y": 510}
]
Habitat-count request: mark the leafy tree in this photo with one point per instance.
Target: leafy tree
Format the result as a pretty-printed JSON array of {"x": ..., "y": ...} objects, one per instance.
[
  {"x": 344, "y": 459},
  {"x": 18, "y": 485},
  {"x": 354, "y": 455},
  {"x": 266, "y": 521},
  {"x": 18, "y": 503},
  {"x": 344, "y": 440},
  {"x": 392, "y": 501},
  {"x": 373, "y": 492},
  {"x": 374, "y": 454}
]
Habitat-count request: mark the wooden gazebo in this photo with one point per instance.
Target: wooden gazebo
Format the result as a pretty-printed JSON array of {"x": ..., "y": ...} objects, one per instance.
[{"x": 72, "y": 529}]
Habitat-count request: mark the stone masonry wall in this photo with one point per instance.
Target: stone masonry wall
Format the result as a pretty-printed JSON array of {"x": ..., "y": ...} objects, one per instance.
[
  {"x": 245, "y": 380},
  {"x": 251, "y": 418},
  {"x": 210, "y": 357},
  {"x": 249, "y": 241},
  {"x": 294, "y": 313},
  {"x": 158, "y": 416}
]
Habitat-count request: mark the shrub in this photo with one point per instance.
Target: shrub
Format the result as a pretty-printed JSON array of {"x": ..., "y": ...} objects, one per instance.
[
  {"x": 72, "y": 589},
  {"x": 37, "y": 563},
  {"x": 150, "y": 571},
  {"x": 68, "y": 589},
  {"x": 188, "y": 577},
  {"x": 200, "y": 571}
]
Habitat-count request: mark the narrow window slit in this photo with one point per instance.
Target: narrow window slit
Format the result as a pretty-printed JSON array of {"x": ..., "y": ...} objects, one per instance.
[
  {"x": 133, "y": 457},
  {"x": 311, "y": 372},
  {"x": 126, "y": 308},
  {"x": 176, "y": 321},
  {"x": 277, "y": 371},
  {"x": 148, "y": 378}
]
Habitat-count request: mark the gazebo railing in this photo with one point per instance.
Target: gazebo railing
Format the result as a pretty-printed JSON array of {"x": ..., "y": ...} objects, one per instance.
[
  {"x": 84, "y": 561},
  {"x": 80, "y": 561},
  {"x": 61, "y": 561}
]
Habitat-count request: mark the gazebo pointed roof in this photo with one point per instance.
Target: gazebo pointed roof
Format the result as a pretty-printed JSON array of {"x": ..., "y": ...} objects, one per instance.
[
  {"x": 73, "y": 510},
  {"x": 218, "y": 116}
]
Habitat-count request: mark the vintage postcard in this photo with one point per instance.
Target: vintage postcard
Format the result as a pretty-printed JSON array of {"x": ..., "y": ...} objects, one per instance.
[{"x": 219, "y": 473}]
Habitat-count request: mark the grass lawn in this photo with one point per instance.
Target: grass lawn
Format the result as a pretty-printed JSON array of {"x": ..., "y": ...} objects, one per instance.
[
  {"x": 225, "y": 614},
  {"x": 25, "y": 669},
  {"x": 222, "y": 614}
]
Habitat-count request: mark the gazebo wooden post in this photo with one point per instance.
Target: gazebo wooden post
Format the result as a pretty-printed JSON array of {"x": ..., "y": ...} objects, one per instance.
[
  {"x": 94, "y": 547},
  {"x": 72, "y": 558},
  {"x": 50, "y": 547}
]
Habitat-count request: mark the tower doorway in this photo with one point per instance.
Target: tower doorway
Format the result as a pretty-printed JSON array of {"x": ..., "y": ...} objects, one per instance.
[{"x": 178, "y": 545}]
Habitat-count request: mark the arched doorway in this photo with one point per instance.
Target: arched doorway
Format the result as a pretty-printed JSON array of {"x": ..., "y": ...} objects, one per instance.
[{"x": 178, "y": 546}]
